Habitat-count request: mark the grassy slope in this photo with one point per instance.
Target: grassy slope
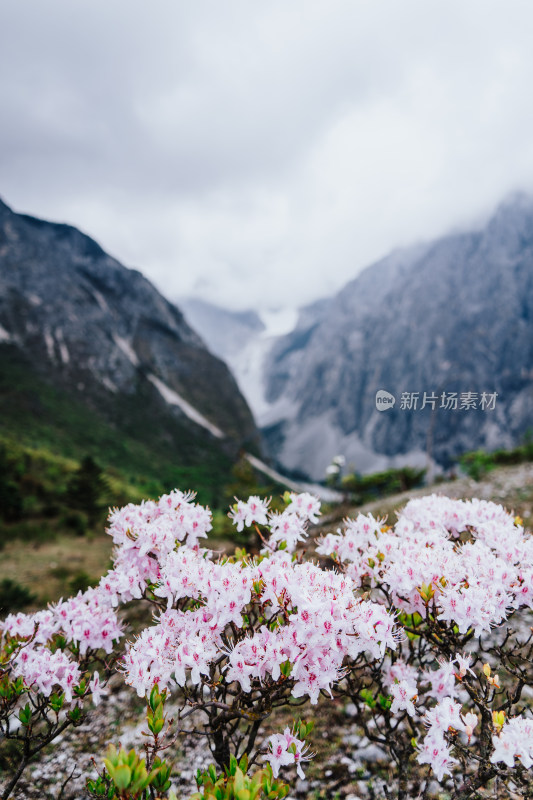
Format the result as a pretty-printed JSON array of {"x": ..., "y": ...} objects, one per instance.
[
  {"x": 153, "y": 451},
  {"x": 46, "y": 430}
]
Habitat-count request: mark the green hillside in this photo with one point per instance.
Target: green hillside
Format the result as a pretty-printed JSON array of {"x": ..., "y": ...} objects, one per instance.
[{"x": 146, "y": 445}]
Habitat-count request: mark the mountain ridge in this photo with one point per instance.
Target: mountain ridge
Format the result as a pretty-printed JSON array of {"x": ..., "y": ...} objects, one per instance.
[
  {"x": 445, "y": 315},
  {"x": 77, "y": 320}
]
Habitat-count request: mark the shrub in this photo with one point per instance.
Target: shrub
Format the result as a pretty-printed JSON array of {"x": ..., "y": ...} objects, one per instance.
[
  {"x": 14, "y": 597},
  {"x": 425, "y": 627},
  {"x": 80, "y": 582},
  {"x": 86, "y": 489},
  {"x": 364, "y": 488},
  {"x": 476, "y": 464},
  {"x": 76, "y": 521}
]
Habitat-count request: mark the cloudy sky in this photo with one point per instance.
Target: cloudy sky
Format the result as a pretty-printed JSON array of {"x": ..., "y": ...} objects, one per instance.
[{"x": 262, "y": 153}]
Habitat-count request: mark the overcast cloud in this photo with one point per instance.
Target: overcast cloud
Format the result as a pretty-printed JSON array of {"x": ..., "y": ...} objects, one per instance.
[{"x": 262, "y": 153}]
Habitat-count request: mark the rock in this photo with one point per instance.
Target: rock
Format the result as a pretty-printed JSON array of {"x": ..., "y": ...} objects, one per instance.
[{"x": 453, "y": 315}]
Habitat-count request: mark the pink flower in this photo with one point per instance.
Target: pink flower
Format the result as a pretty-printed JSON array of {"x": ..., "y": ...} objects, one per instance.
[
  {"x": 403, "y": 694},
  {"x": 305, "y": 505},
  {"x": 514, "y": 741},
  {"x": 436, "y": 753},
  {"x": 278, "y": 755},
  {"x": 254, "y": 510},
  {"x": 96, "y": 688},
  {"x": 285, "y": 749}
]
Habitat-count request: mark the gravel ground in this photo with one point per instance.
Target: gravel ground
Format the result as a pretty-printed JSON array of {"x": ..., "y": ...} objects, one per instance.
[
  {"x": 512, "y": 487},
  {"x": 345, "y": 763}
]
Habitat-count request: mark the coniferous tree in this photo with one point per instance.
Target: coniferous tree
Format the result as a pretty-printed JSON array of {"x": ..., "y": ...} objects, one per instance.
[{"x": 86, "y": 488}]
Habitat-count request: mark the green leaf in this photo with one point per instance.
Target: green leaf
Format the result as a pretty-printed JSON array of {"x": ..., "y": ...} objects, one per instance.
[
  {"x": 286, "y": 668},
  {"x": 367, "y": 697},
  {"x": 25, "y": 715},
  {"x": 122, "y": 776},
  {"x": 156, "y": 726},
  {"x": 155, "y": 697},
  {"x": 74, "y": 715},
  {"x": 57, "y": 701}
]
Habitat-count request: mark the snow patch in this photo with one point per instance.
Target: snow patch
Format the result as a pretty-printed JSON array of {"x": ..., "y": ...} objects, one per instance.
[
  {"x": 49, "y": 342},
  {"x": 174, "y": 399},
  {"x": 100, "y": 299},
  {"x": 63, "y": 351},
  {"x": 5, "y": 336},
  {"x": 248, "y": 369},
  {"x": 322, "y": 492},
  {"x": 272, "y": 473},
  {"x": 109, "y": 385},
  {"x": 248, "y": 362},
  {"x": 126, "y": 348},
  {"x": 278, "y": 322},
  {"x": 34, "y": 299}
]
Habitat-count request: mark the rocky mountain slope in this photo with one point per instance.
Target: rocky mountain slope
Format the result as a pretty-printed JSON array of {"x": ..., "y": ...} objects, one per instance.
[
  {"x": 452, "y": 316},
  {"x": 84, "y": 339}
]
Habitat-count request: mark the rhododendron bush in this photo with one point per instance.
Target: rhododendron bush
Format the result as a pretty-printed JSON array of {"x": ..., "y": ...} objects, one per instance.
[{"x": 424, "y": 627}]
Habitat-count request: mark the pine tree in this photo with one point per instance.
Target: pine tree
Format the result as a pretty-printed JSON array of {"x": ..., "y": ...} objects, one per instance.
[{"x": 86, "y": 487}]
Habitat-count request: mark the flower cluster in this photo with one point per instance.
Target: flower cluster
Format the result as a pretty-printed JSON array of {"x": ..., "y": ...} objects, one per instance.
[
  {"x": 320, "y": 623},
  {"x": 82, "y": 623},
  {"x": 453, "y": 571},
  {"x": 245, "y": 633},
  {"x": 144, "y": 535},
  {"x": 312, "y": 620},
  {"x": 445, "y": 716},
  {"x": 515, "y": 740},
  {"x": 468, "y": 556}
]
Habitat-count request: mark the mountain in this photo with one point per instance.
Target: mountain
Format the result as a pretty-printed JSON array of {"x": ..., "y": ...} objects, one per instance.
[
  {"x": 453, "y": 315},
  {"x": 242, "y": 339},
  {"x": 225, "y": 332},
  {"x": 94, "y": 358}
]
